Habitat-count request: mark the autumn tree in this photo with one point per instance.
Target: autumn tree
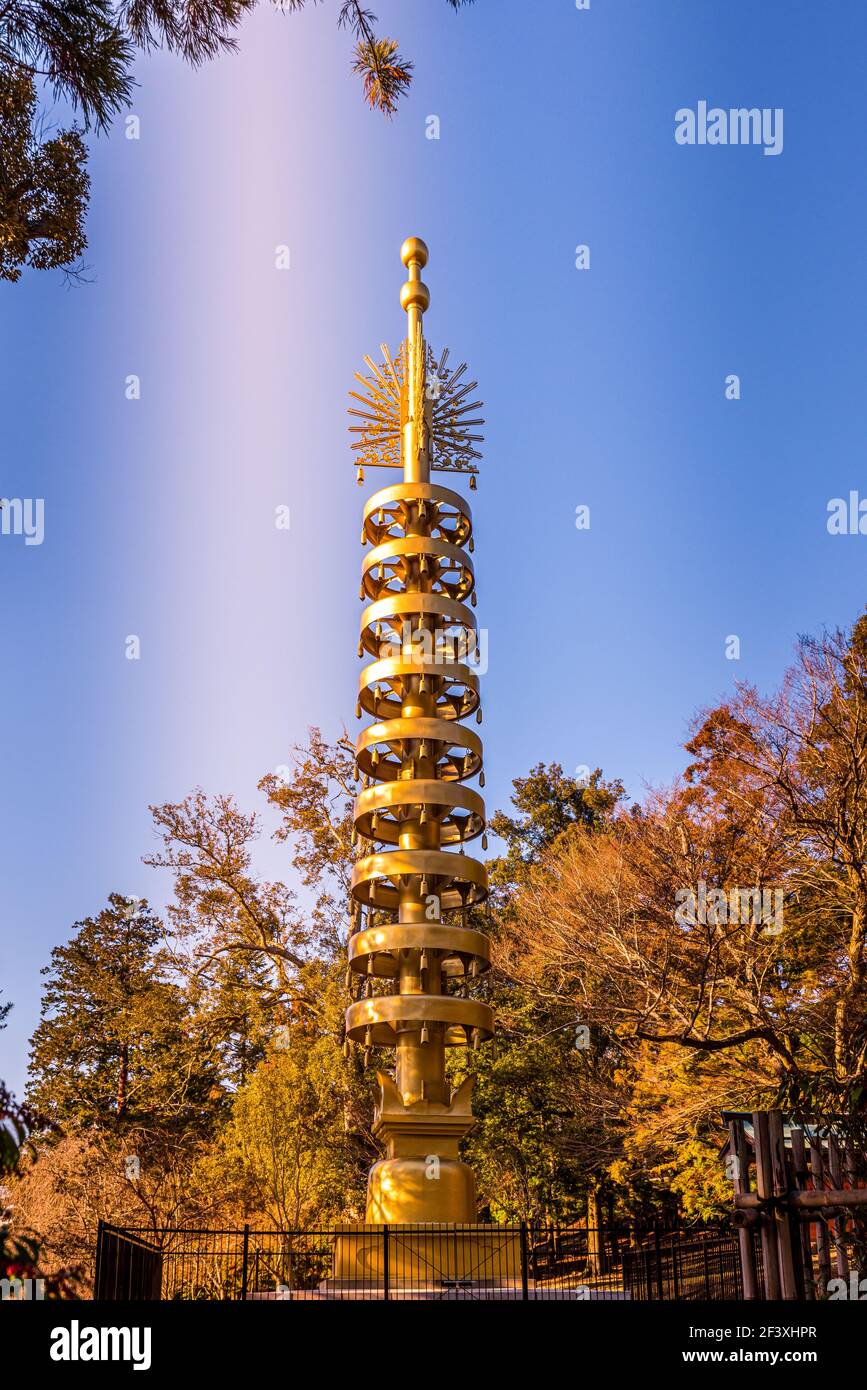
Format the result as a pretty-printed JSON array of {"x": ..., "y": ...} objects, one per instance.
[
  {"x": 543, "y": 1095},
  {"x": 803, "y": 752}
]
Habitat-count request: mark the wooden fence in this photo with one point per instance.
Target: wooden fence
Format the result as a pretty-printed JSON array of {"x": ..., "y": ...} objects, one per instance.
[{"x": 801, "y": 1185}]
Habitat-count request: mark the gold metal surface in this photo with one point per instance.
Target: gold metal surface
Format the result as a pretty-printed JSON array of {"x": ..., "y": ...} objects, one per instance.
[{"x": 413, "y": 959}]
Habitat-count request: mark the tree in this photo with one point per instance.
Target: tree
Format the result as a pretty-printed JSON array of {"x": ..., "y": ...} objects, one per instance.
[
  {"x": 239, "y": 938},
  {"x": 113, "y": 1048},
  {"x": 43, "y": 184},
  {"x": 802, "y": 752},
  {"x": 284, "y": 1157},
  {"x": 549, "y": 804},
  {"x": 84, "y": 51},
  {"x": 543, "y": 1097}
]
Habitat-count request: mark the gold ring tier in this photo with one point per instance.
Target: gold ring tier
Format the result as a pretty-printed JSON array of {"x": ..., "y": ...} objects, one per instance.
[{"x": 420, "y": 630}]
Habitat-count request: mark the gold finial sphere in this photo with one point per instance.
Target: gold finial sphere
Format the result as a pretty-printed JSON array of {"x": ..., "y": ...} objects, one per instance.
[
  {"x": 414, "y": 294},
  {"x": 414, "y": 249}
]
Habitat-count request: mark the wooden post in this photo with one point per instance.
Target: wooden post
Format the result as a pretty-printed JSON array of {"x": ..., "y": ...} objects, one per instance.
[
  {"x": 765, "y": 1188},
  {"x": 779, "y": 1178},
  {"x": 801, "y": 1176},
  {"x": 817, "y": 1171},
  {"x": 738, "y": 1151},
  {"x": 835, "y": 1170}
]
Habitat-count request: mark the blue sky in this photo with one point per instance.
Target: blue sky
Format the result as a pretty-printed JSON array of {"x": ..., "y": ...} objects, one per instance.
[{"x": 603, "y": 388}]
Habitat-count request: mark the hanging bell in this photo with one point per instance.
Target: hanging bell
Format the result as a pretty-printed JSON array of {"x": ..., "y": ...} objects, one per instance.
[
  {"x": 479, "y": 715},
  {"x": 481, "y": 779},
  {"x": 471, "y": 545},
  {"x": 475, "y": 598},
  {"x": 424, "y": 1033},
  {"x": 359, "y": 477},
  {"x": 472, "y": 481},
  {"x": 484, "y": 842}
]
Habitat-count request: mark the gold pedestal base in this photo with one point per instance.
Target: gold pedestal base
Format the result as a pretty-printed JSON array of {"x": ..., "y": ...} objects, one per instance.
[
  {"x": 412, "y": 1191},
  {"x": 408, "y": 1258}
]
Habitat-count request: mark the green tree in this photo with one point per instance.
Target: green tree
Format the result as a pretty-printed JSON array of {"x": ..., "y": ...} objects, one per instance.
[
  {"x": 549, "y": 803},
  {"x": 113, "y": 1048}
]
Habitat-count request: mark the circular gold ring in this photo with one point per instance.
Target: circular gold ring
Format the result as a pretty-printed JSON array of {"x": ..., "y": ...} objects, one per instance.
[
  {"x": 376, "y": 879},
  {"x": 443, "y": 734},
  {"x": 383, "y": 1013},
  {"x": 382, "y": 944},
  {"x": 416, "y": 795},
  {"x": 395, "y": 672},
  {"x": 391, "y": 555}
]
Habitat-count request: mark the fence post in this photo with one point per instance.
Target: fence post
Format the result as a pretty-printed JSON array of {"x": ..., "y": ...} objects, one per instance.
[
  {"x": 780, "y": 1216},
  {"x": 817, "y": 1172},
  {"x": 765, "y": 1189},
  {"x": 747, "y": 1250},
  {"x": 385, "y": 1292},
  {"x": 100, "y": 1227},
  {"x": 525, "y": 1282},
  {"x": 659, "y": 1293},
  {"x": 246, "y": 1249}
]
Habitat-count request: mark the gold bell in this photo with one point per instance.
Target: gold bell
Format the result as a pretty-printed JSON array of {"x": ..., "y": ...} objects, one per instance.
[
  {"x": 472, "y": 481},
  {"x": 359, "y": 477}
]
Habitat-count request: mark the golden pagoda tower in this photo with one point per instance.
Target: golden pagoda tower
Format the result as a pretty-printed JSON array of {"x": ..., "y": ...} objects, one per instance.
[{"x": 412, "y": 955}]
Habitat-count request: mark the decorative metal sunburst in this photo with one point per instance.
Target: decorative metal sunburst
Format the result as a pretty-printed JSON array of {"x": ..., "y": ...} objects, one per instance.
[{"x": 388, "y": 401}]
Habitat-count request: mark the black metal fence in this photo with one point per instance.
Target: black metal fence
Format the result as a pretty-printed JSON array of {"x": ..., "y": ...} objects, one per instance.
[
  {"x": 127, "y": 1266},
  {"x": 525, "y": 1262},
  {"x": 687, "y": 1266}
]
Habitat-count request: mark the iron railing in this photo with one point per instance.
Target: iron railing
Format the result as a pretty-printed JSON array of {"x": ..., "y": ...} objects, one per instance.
[
  {"x": 686, "y": 1266},
  {"x": 522, "y": 1262}
]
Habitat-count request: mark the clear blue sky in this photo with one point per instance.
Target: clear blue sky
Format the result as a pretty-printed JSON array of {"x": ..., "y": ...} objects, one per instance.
[{"x": 602, "y": 387}]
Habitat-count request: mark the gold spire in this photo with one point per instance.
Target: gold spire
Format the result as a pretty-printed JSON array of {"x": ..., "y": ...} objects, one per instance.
[
  {"x": 414, "y": 407},
  {"x": 411, "y": 952}
]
